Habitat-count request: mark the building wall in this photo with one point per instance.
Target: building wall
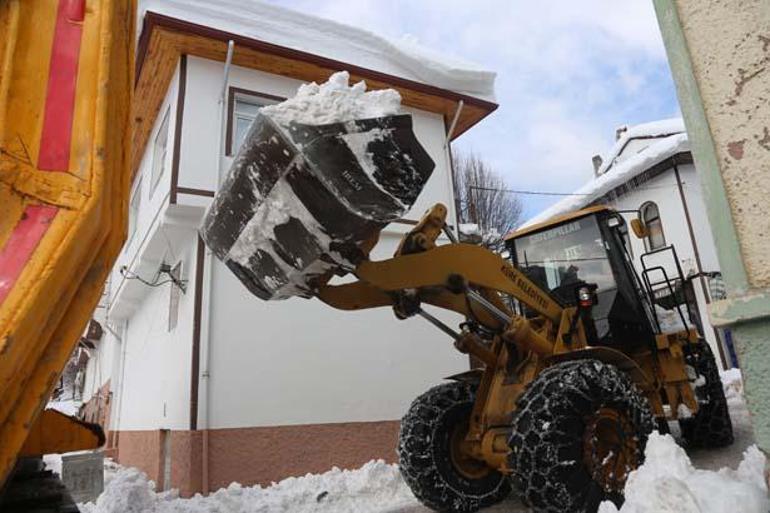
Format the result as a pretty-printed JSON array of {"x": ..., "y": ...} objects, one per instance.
[
  {"x": 99, "y": 367},
  {"x": 301, "y": 362},
  {"x": 664, "y": 191},
  {"x": 199, "y": 159},
  {"x": 128, "y": 299},
  {"x": 153, "y": 202},
  {"x": 298, "y": 361},
  {"x": 151, "y": 370},
  {"x": 288, "y": 381},
  {"x": 155, "y": 385}
]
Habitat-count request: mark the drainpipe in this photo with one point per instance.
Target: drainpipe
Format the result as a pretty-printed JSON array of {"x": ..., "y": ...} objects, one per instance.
[
  {"x": 450, "y": 159},
  {"x": 208, "y": 262},
  {"x": 722, "y": 90},
  {"x": 117, "y": 407}
]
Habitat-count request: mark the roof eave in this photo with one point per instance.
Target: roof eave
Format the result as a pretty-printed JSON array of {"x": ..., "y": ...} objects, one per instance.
[{"x": 182, "y": 37}]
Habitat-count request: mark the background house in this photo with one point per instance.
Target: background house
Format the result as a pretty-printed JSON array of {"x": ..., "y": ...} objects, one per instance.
[
  {"x": 650, "y": 173},
  {"x": 205, "y": 383}
]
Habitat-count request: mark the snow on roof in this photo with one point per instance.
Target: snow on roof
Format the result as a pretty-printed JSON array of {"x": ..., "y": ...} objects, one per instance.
[
  {"x": 618, "y": 175},
  {"x": 659, "y": 128},
  {"x": 277, "y": 25}
]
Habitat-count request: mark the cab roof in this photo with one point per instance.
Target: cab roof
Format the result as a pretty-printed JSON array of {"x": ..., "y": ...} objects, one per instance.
[{"x": 556, "y": 220}]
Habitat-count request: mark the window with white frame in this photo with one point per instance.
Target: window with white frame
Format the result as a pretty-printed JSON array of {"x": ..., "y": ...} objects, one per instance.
[
  {"x": 133, "y": 209},
  {"x": 651, "y": 218},
  {"x": 159, "y": 152},
  {"x": 245, "y": 107}
]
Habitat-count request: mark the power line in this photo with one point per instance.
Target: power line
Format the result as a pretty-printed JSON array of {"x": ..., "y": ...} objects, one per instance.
[
  {"x": 548, "y": 193},
  {"x": 538, "y": 193}
]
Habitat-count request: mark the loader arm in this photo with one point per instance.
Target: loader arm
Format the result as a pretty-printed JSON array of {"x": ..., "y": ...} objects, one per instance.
[
  {"x": 431, "y": 272},
  {"x": 463, "y": 278},
  {"x": 420, "y": 264}
]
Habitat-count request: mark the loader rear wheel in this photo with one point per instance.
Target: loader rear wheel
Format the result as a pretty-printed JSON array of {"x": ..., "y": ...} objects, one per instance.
[
  {"x": 431, "y": 461},
  {"x": 578, "y": 430},
  {"x": 711, "y": 425}
]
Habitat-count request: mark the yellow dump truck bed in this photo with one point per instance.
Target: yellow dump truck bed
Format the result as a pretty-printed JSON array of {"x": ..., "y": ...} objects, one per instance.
[{"x": 66, "y": 75}]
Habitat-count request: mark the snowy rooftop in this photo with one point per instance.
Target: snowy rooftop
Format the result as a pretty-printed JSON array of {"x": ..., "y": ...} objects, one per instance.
[
  {"x": 671, "y": 139},
  {"x": 660, "y": 128},
  {"x": 276, "y": 25}
]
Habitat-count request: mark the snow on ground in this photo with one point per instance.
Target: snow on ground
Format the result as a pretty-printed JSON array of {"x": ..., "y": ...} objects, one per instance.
[
  {"x": 726, "y": 480},
  {"x": 703, "y": 481},
  {"x": 375, "y": 487},
  {"x": 668, "y": 482}
]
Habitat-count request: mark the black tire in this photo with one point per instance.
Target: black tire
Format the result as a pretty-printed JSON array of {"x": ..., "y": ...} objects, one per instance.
[
  {"x": 711, "y": 425},
  {"x": 566, "y": 423},
  {"x": 31, "y": 488},
  {"x": 426, "y": 461}
]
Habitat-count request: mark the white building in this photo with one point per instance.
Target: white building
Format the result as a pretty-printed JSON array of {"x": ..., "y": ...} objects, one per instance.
[
  {"x": 650, "y": 173},
  {"x": 201, "y": 383}
]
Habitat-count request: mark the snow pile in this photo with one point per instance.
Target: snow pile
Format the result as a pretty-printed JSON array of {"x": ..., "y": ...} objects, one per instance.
[
  {"x": 69, "y": 407},
  {"x": 128, "y": 492},
  {"x": 349, "y": 45},
  {"x": 732, "y": 382},
  {"x": 668, "y": 483},
  {"x": 53, "y": 463},
  {"x": 363, "y": 490},
  {"x": 669, "y": 320},
  {"x": 334, "y": 101},
  {"x": 470, "y": 229}
]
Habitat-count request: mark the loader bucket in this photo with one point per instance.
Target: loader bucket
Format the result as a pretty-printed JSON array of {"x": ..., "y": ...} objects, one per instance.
[{"x": 297, "y": 204}]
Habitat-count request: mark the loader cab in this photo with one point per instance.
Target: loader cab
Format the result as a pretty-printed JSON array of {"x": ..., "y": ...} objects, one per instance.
[{"x": 588, "y": 248}]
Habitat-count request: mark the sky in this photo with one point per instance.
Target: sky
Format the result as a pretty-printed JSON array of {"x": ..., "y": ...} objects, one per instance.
[{"x": 569, "y": 73}]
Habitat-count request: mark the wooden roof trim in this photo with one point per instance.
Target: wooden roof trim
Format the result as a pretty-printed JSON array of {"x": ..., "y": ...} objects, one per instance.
[
  {"x": 153, "y": 20},
  {"x": 165, "y": 39}
]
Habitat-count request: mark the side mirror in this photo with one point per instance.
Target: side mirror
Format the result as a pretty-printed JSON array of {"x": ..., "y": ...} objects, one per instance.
[{"x": 639, "y": 229}]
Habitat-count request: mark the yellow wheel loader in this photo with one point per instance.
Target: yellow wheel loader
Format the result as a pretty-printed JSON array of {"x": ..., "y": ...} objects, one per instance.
[{"x": 572, "y": 369}]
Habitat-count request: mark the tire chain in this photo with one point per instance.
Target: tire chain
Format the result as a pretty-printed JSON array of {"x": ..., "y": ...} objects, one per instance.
[
  {"x": 418, "y": 458},
  {"x": 548, "y": 426}
]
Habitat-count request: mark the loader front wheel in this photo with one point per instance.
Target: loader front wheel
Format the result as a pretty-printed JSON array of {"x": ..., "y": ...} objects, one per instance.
[
  {"x": 578, "y": 431},
  {"x": 430, "y": 456}
]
